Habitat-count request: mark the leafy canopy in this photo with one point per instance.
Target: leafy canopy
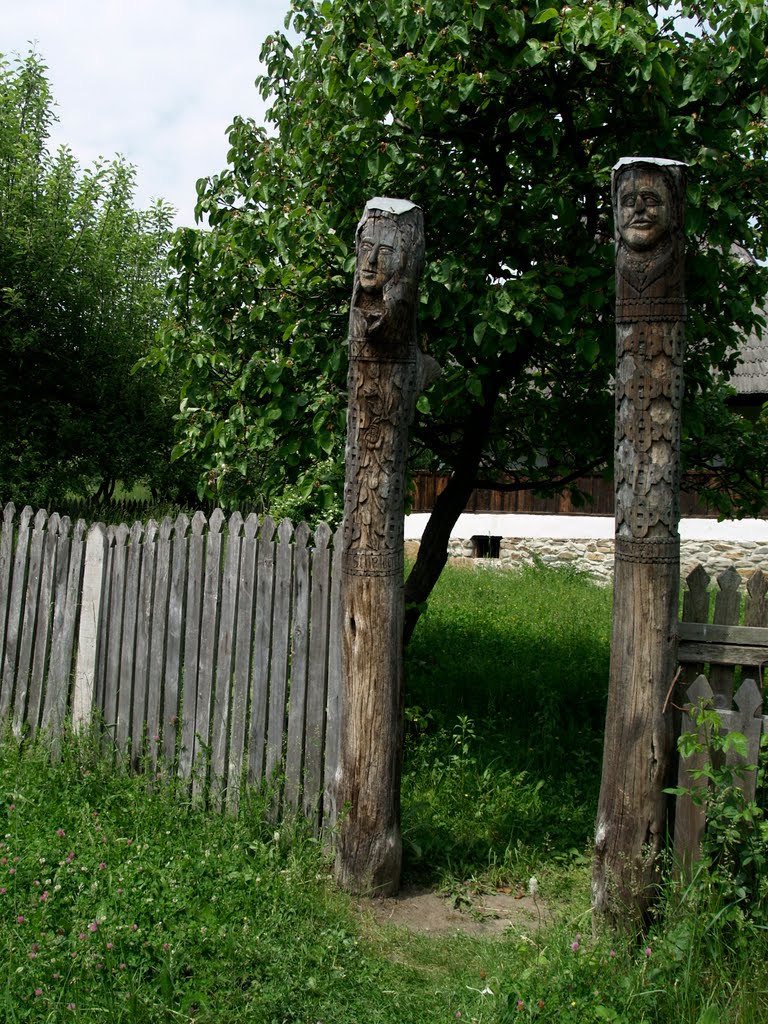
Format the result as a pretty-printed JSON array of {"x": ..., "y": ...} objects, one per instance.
[
  {"x": 502, "y": 120},
  {"x": 82, "y": 279}
]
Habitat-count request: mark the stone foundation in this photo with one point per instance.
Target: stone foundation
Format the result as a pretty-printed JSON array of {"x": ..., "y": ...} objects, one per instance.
[{"x": 596, "y": 556}]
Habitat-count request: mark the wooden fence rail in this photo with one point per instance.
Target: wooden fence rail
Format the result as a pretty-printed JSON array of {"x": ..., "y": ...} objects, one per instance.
[{"x": 209, "y": 646}]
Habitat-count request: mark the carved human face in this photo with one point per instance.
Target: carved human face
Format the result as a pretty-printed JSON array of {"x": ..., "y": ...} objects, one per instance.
[
  {"x": 644, "y": 209},
  {"x": 378, "y": 254}
]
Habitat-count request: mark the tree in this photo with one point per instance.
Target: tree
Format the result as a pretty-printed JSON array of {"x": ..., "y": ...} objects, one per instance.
[
  {"x": 502, "y": 121},
  {"x": 82, "y": 278}
]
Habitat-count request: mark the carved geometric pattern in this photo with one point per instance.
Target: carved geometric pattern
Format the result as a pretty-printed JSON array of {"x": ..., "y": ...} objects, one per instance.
[{"x": 653, "y": 552}]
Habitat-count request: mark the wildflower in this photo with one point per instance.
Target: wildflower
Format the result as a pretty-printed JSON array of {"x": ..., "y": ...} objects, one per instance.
[
  {"x": 520, "y": 1004},
  {"x": 82, "y": 936},
  {"x": 533, "y": 887},
  {"x": 60, "y": 833},
  {"x": 612, "y": 954},
  {"x": 575, "y": 947},
  {"x": 648, "y": 950},
  {"x": 134, "y": 927},
  {"x": 102, "y": 866},
  {"x": 20, "y": 919},
  {"x": 11, "y": 807},
  {"x": 3, "y": 890},
  {"x": 110, "y": 945},
  {"x": 93, "y": 926},
  {"x": 121, "y": 967},
  {"x": 38, "y": 991},
  {"x": 540, "y": 1004},
  {"x": 71, "y": 1006}
]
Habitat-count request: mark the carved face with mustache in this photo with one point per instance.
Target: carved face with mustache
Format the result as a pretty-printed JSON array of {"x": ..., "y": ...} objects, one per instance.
[{"x": 644, "y": 209}]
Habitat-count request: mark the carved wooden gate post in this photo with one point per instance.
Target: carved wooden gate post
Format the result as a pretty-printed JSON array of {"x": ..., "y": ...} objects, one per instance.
[
  {"x": 648, "y": 206},
  {"x": 385, "y": 375}
]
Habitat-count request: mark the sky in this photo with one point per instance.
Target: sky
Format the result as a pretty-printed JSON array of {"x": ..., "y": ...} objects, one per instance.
[{"x": 156, "y": 81}]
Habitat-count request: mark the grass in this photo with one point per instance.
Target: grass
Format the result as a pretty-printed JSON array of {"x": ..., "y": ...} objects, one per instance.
[
  {"x": 121, "y": 903},
  {"x": 506, "y": 682}
]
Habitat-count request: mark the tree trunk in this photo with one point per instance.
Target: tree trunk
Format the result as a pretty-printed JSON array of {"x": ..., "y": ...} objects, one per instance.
[
  {"x": 638, "y": 757},
  {"x": 449, "y": 505}
]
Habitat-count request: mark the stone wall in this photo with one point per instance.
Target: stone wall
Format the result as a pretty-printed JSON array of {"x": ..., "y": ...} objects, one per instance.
[{"x": 596, "y": 556}]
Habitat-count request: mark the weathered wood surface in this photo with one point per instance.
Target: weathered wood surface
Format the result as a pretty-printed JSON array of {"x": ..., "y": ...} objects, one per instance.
[
  {"x": 383, "y": 385},
  {"x": 746, "y": 718},
  {"x": 206, "y": 648},
  {"x": 724, "y": 643},
  {"x": 639, "y": 749}
]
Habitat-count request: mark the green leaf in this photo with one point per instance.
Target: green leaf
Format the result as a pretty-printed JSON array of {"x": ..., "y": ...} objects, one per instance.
[{"x": 546, "y": 15}]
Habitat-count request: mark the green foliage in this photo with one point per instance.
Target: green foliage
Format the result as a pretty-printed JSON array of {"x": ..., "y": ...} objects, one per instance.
[
  {"x": 81, "y": 295},
  {"x": 734, "y": 849},
  {"x": 502, "y": 121}
]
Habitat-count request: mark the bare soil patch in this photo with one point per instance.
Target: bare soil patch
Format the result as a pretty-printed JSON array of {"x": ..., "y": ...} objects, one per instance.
[{"x": 482, "y": 914}]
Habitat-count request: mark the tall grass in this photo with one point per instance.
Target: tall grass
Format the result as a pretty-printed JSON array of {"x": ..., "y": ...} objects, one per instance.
[{"x": 506, "y": 681}]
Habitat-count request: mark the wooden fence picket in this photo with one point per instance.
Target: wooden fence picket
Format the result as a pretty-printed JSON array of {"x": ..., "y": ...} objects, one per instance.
[
  {"x": 242, "y": 661},
  {"x": 726, "y": 612},
  {"x": 126, "y": 669},
  {"x": 193, "y": 611},
  {"x": 157, "y": 649},
  {"x": 40, "y": 655},
  {"x": 62, "y": 629},
  {"x": 317, "y": 676},
  {"x": 225, "y": 656},
  {"x": 92, "y": 596},
  {"x": 279, "y": 655},
  {"x": 262, "y": 644},
  {"x": 15, "y": 612},
  {"x": 207, "y": 646},
  {"x": 175, "y": 634},
  {"x": 333, "y": 697},
  {"x": 209, "y": 618},
  {"x": 29, "y": 619},
  {"x": 144, "y": 617},
  {"x": 299, "y": 661},
  {"x": 756, "y": 604},
  {"x": 6, "y": 570}
]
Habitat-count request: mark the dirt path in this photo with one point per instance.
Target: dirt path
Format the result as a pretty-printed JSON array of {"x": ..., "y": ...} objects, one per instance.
[{"x": 473, "y": 913}]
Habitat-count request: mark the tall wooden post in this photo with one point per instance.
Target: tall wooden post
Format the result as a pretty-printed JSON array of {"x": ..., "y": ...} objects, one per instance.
[
  {"x": 648, "y": 206},
  {"x": 386, "y": 372}
]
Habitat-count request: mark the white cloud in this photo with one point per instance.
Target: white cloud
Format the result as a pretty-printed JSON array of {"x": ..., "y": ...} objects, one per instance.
[{"x": 158, "y": 83}]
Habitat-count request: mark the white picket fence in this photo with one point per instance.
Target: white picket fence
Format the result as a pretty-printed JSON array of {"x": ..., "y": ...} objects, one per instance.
[{"x": 209, "y": 647}]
